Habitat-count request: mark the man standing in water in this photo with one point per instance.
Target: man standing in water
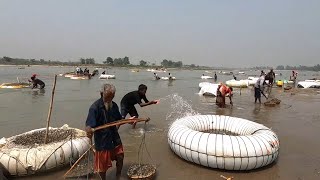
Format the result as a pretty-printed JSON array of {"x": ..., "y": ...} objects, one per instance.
[
  {"x": 170, "y": 76},
  {"x": 258, "y": 88},
  {"x": 215, "y": 77},
  {"x": 222, "y": 92},
  {"x": 294, "y": 75},
  {"x": 107, "y": 141},
  {"x": 270, "y": 77},
  {"x": 132, "y": 98},
  {"x": 234, "y": 77},
  {"x": 156, "y": 76}
]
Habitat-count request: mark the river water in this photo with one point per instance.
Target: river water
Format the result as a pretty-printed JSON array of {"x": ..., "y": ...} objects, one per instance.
[{"x": 296, "y": 120}]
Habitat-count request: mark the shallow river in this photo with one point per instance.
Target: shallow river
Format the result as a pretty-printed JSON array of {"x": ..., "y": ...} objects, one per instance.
[{"x": 296, "y": 120}]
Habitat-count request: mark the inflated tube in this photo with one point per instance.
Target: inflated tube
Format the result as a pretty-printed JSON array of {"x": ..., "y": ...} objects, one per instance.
[{"x": 223, "y": 142}]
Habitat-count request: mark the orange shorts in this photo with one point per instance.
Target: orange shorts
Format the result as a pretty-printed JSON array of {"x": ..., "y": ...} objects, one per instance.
[{"x": 103, "y": 159}]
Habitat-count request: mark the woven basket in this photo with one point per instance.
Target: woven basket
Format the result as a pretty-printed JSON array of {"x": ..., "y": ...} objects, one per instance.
[
  {"x": 141, "y": 176},
  {"x": 270, "y": 104}
]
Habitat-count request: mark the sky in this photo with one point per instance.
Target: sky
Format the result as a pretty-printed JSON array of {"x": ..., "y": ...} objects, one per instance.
[{"x": 233, "y": 33}]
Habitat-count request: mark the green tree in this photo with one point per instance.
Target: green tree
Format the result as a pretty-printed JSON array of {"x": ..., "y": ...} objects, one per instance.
[
  {"x": 90, "y": 61},
  {"x": 165, "y": 63},
  {"x": 118, "y": 61},
  {"x": 109, "y": 61},
  {"x": 82, "y": 61},
  {"x": 7, "y": 59},
  {"x": 280, "y": 67},
  {"x": 126, "y": 61},
  {"x": 143, "y": 63},
  {"x": 177, "y": 64}
]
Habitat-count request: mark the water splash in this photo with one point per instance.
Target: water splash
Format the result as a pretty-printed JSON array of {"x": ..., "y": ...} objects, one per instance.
[{"x": 179, "y": 108}]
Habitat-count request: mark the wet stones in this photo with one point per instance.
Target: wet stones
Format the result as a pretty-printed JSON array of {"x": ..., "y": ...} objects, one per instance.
[
  {"x": 37, "y": 137},
  {"x": 141, "y": 171},
  {"x": 273, "y": 102}
]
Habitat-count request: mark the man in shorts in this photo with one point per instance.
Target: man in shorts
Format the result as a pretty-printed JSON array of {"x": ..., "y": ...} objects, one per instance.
[
  {"x": 132, "y": 98},
  {"x": 107, "y": 141}
]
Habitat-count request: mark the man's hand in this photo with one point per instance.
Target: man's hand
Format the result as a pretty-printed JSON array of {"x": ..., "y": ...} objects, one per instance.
[
  {"x": 155, "y": 101},
  {"x": 89, "y": 132},
  {"x": 148, "y": 119},
  {"x": 134, "y": 122}
]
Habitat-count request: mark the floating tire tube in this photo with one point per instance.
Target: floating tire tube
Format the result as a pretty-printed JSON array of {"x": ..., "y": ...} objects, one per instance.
[
  {"x": 167, "y": 78},
  {"x": 80, "y": 77},
  {"x": 107, "y": 76},
  {"x": 223, "y": 142}
]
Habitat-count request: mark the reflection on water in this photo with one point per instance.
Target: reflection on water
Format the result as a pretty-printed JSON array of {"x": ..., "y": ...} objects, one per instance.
[{"x": 38, "y": 92}]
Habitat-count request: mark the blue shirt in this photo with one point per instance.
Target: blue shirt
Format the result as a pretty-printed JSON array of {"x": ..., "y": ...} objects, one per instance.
[{"x": 108, "y": 138}]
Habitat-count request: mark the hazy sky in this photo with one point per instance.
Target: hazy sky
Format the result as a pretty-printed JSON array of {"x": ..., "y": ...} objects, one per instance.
[{"x": 215, "y": 33}]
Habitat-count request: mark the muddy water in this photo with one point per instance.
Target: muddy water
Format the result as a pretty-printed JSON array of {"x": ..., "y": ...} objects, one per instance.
[{"x": 296, "y": 120}]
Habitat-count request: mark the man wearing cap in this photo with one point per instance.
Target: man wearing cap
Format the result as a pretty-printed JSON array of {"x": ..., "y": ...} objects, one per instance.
[{"x": 107, "y": 141}]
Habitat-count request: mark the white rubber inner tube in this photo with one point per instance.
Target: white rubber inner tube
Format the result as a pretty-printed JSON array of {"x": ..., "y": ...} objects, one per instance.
[{"x": 223, "y": 142}]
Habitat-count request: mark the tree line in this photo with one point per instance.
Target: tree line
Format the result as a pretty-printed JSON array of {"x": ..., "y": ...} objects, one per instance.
[
  {"x": 305, "y": 68},
  {"x": 21, "y": 61},
  {"x": 125, "y": 61}
]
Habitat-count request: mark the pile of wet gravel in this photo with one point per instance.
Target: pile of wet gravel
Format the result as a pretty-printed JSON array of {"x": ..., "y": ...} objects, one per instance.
[
  {"x": 273, "y": 102},
  {"x": 137, "y": 171},
  {"x": 37, "y": 137}
]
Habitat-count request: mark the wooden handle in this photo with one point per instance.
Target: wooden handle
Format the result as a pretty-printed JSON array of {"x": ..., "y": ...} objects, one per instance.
[{"x": 123, "y": 121}]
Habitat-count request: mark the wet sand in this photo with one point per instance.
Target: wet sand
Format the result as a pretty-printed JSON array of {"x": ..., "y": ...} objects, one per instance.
[{"x": 296, "y": 121}]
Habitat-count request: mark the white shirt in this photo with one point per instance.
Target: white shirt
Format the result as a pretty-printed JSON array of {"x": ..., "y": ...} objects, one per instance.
[{"x": 260, "y": 82}]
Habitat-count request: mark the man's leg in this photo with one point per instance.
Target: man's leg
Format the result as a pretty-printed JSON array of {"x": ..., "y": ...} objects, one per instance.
[
  {"x": 124, "y": 111},
  {"x": 255, "y": 95},
  {"x": 119, "y": 164},
  {"x": 102, "y": 175},
  {"x": 133, "y": 112},
  {"x": 223, "y": 101},
  {"x": 102, "y": 162}
]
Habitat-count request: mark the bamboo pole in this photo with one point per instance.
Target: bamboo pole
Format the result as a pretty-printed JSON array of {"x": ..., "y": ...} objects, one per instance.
[
  {"x": 120, "y": 122},
  {"x": 50, "y": 109}
]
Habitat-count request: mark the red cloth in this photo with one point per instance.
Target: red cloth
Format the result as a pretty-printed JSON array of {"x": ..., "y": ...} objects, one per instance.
[
  {"x": 103, "y": 159},
  {"x": 224, "y": 90}
]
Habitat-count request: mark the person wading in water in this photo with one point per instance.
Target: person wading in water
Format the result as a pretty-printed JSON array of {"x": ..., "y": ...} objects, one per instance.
[
  {"x": 132, "y": 98},
  {"x": 107, "y": 141},
  {"x": 222, "y": 92}
]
